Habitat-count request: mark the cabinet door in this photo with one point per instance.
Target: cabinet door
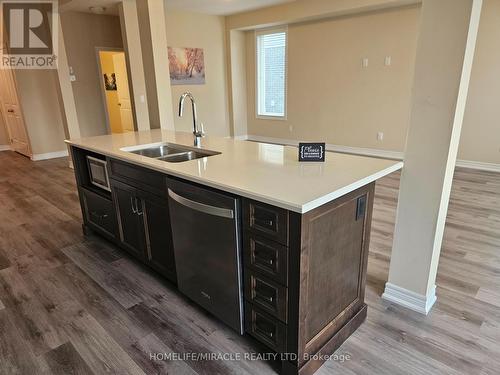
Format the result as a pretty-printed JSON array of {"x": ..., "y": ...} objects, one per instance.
[
  {"x": 129, "y": 219},
  {"x": 159, "y": 247}
]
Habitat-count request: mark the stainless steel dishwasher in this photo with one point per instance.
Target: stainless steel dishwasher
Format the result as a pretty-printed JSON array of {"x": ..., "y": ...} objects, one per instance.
[{"x": 207, "y": 248}]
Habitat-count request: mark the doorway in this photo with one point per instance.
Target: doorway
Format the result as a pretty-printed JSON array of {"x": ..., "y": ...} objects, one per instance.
[
  {"x": 115, "y": 90},
  {"x": 12, "y": 115}
]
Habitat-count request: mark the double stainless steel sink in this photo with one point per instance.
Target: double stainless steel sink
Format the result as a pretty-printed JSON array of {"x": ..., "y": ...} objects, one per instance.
[{"x": 170, "y": 152}]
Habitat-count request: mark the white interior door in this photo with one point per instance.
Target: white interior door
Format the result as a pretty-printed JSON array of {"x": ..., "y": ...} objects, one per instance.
[
  {"x": 12, "y": 113},
  {"x": 124, "y": 100}
]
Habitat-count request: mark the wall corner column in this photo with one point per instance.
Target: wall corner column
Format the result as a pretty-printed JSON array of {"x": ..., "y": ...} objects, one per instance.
[
  {"x": 133, "y": 50},
  {"x": 445, "y": 52},
  {"x": 237, "y": 82}
]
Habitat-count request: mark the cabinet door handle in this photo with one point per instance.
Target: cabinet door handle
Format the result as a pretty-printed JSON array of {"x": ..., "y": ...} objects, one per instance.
[
  {"x": 134, "y": 206},
  {"x": 139, "y": 212}
]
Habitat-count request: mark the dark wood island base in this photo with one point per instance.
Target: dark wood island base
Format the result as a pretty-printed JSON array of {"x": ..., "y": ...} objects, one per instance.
[
  {"x": 304, "y": 275},
  {"x": 307, "y": 314},
  {"x": 311, "y": 366}
]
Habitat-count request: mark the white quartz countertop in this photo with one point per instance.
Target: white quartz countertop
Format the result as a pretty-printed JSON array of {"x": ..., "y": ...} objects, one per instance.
[{"x": 265, "y": 172}]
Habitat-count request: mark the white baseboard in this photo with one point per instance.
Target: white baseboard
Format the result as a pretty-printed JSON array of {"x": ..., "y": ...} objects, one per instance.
[
  {"x": 411, "y": 300},
  {"x": 490, "y": 167},
  {"x": 50, "y": 155},
  {"x": 385, "y": 154},
  {"x": 241, "y": 137},
  {"x": 4, "y": 147}
]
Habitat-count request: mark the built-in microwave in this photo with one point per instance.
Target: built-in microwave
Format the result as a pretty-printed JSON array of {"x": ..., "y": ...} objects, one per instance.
[{"x": 98, "y": 173}]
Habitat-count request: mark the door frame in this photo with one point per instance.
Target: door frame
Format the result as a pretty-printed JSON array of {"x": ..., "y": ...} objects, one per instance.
[{"x": 101, "y": 80}]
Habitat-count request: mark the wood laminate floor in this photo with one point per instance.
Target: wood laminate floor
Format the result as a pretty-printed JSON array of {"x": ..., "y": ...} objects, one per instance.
[{"x": 76, "y": 305}]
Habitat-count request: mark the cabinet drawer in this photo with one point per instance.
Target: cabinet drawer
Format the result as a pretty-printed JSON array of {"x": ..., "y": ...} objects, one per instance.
[
  {"x": 265, "y": 328},
  {"x": 268, "y": 221},
  {"x": 266, "y": 294},
  {"x": 267, "y": 257},
  {"x": 138, "y": 177},
  {"x": 99, "y": 212}
]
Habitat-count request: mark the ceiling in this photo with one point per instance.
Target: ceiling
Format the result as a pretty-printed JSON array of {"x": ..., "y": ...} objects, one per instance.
[
  {"x": 85, "y": 5},
  {"x": 215, "y": 7},
  {"x": 222, "y": 7}
]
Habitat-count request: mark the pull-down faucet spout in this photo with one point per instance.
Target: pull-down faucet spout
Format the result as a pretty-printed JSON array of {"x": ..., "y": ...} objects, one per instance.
[{"x": 196, "y": 132}]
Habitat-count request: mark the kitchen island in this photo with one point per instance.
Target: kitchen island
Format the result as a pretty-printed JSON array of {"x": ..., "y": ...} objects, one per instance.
[{"x": 295, "y": 235}]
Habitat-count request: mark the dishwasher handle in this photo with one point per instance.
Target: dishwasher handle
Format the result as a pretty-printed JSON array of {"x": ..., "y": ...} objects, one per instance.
[{"x": 205, "y": 208}]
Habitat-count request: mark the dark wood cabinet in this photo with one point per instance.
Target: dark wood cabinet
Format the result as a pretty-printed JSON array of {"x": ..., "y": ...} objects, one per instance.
[
  {"x": 267, "y": 329},
  {"x": 266, "y": 294},
  {"x": 305, "y": 276},
  {"x": 130, "y": 219},
  {"x": 266, "y": 220},
  {"x": 99, "y": 212},
  {"x": 144, "y": 227},
  {"x": 266, "y": 257}
]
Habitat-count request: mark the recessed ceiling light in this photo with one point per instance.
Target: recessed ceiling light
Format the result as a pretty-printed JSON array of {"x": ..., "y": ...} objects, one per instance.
[{"x": 97, "y": 10}]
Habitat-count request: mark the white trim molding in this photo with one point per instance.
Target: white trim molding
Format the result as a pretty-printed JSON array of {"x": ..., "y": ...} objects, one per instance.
[
  {"x": 241, "y": 137},
  {"x": 4, "y": 147},
  {"x": 411, "y": 300},
  {"x": 490, "y": 167},
  {"x": 50, "y": 155},
  {"x": 385, "y": 154},
  {"x": 373, "y": 152}
]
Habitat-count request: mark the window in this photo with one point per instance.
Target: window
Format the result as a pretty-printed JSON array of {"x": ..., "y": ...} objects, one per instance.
[{"x": 271, "y": 73}]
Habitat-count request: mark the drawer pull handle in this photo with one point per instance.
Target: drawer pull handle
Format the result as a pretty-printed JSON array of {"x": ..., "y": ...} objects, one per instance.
[
  {"x": 99, "y": 217},
  {"x": 263, "y": 222},
  {"x": 264, "y": 332}
]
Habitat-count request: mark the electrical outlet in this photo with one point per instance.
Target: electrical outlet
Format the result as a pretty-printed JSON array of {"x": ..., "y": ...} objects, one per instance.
[
  {"x": 388, "y": 61},
  {"x": 380, "y": 136},
  {"x": 365, "y": 62},
  {"x": 290, "y": 128}
]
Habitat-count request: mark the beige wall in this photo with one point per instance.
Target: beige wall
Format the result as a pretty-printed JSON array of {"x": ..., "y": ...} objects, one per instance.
[
  {"x": 38, "y": 94},
  {"x": 83, "y": 32},
  {"x": 238, "y": 84},
  {"x": 331, "y": 97},
  {"x": 308, "y": 10},
  {"x": 203, "y": 31},
  {"x": 480, "y": 139},
  {"x": 345, "y": 104}
]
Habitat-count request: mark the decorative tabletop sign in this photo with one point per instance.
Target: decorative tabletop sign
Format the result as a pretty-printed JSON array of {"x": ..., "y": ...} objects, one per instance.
[{"x": 312, "y": 151}]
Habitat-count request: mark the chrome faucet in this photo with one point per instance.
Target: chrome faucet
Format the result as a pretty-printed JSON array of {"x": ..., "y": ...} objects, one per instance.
[{"x": 197, "y": 133}]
